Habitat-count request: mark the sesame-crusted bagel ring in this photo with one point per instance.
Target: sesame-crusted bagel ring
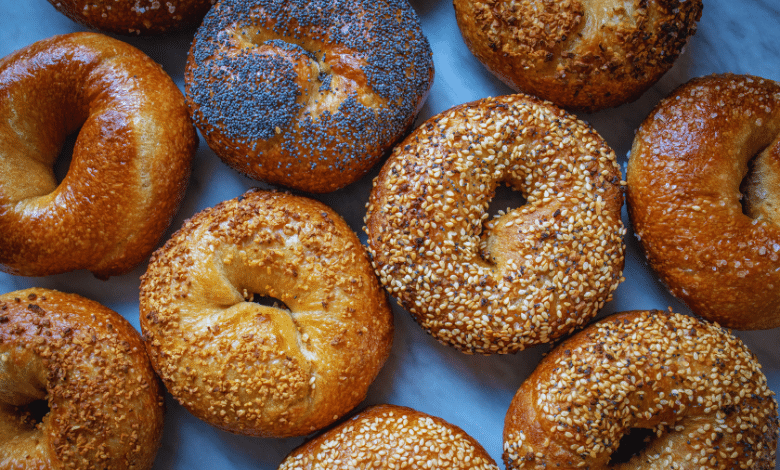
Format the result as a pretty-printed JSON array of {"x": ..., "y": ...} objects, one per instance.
[
  {"x": 389, "y": 437},
  {"x": 704, "y": 197},
  {"x": 143, "y": 17},
  {"x": 76, "y": 387},
  {"x": 247, "y": 367},
  {"x": 695, "y": 390},
  {"x": 130, "y": 163},
  {"x": 523, "y": 278},
  {"x": 580, "y": 54},
  {"x": 308, "y": 95}
]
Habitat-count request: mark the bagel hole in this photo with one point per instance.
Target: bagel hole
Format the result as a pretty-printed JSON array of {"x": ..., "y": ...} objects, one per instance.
[
  {"x": 747, "y": 189},
  {"x": 632, "y": 443},
  {"x": 268, "y": 301},
  {"x": 62, "y": 163},
  {"x": 33, "y": 413},
  {"x": 505, "y": 199}
]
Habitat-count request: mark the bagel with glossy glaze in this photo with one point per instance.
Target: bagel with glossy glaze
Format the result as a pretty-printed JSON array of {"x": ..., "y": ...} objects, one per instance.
[
  {"x": 580, "y": 54},
  {"x": 130, "y": 164},
  {"x": 86, "y": 367},
  {"x": 524, "y": 277},
  {"x": 247, "y": 367},
  {"x": 308, "y": 95},
  {"x": 390, "y": 436},
  {"x": 704, "y": 197},
  {"x": 693, "y": 385}
]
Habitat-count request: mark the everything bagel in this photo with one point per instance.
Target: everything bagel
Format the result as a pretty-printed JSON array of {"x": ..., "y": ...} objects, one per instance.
[{"x": 580, "y": 54}]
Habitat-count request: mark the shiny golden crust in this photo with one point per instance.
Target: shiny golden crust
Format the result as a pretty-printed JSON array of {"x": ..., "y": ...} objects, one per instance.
[
  {"x": 688, "y": 160},
  {"x": 130, "y": 164},
  {"x": 105, "y": 403},
  {"x": 308, "y": 95},
  {"x": 136, "y": 16},
  {"x": 580, "y": 54},
  {"x": 694, "y": 384},
  {"x": 523, "y": 278},
  {"x": 254, "y": 369},
  {"x": 391, "y": 437}
]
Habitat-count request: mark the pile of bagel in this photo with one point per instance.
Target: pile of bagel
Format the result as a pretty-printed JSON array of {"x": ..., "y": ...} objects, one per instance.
[{"x": 267, "y": 312}]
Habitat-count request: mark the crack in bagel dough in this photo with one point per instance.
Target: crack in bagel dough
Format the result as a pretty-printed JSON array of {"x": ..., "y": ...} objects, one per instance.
[
  {"x": 693, "y": 383},
  {"x": 130, "y": 164},
  {"x": 255, "y": 369},
  {"x": 689, "y": 158},
  {"x": 391, "y": 437},
  {"x": 580, "y": 54},
  {"x": 309, "y": 95},
  {"x": 105, "y": 404},
  {"x": 526, "y": 277}
]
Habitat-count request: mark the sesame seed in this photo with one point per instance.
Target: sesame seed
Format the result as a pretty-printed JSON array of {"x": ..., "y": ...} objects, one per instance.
[{"x": 432, "y": 197}]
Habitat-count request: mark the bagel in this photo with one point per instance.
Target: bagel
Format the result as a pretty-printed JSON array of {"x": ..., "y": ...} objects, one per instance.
[
  {"x": 76, "y": 386},
  {"x": 143, "y": 17},
  {"x": 580, "y": 54},
  {"x": 695, "y": 388},
  {"x": 130, "y": 163},
  {"x": 390, "y": 436},
  {"x": 715, "y": 248},
  {"x": 308, "y": 95},
  {"x": 526, "y": 277},
  {"x": 247, "y": 367}
]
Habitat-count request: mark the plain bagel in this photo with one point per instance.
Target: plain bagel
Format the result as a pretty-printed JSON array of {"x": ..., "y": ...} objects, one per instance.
[
  {"x": 704, "y": 197},
  {"x": 526, "y": 277},
  {"x": 130, "y": 164}
]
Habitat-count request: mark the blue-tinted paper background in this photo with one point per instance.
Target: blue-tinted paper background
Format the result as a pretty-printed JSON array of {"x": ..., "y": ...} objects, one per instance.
[{"x": 472, "y": 392}]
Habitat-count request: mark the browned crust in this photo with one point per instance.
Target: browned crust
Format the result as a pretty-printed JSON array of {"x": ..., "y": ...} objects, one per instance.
[
  {"x": 130, "y": 164},
  {"x": 581, "y": 54},
  {"x": 143, "y": 17},
  {"x": 693, "y": 383},
  {"x": 391, "y": 436},
  {"x": 106, "y": 405},
  {"x": 254, "y": 369},
  {"x": 688, "y": 160},
  {"x": 526, "y": 277}
]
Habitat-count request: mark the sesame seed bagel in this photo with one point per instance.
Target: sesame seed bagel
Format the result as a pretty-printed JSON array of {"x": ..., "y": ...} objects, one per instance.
[
  {"x": 580, "y": 54},
  {"x": 249, "y": 368},
  {"x": 130, "y": 163},
  {"x": 76, "y": 387},
  {"x": 308, "y": 95},
  {"x": 704, "y": 197},
  {"x": 695, "y": 388},
  {"x": 390, "y": 436},
  {"x": 143, "y": 17},
  {"x": 524, "y": 277}
]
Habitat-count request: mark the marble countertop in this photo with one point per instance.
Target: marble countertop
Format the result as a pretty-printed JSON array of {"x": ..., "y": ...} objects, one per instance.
[{"x": 472, "y": 392}]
